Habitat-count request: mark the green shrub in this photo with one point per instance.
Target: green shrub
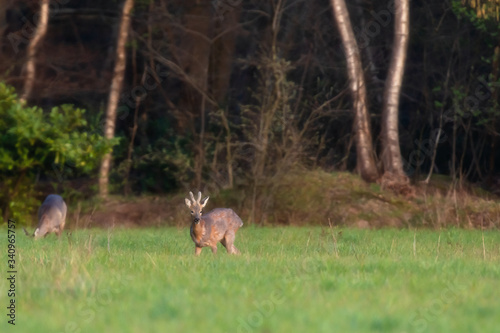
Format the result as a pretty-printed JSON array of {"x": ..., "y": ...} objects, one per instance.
[{"x": 36, "y": 141}]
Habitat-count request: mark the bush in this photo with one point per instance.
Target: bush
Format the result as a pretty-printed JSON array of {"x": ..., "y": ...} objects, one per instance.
[{"x": 34, "y": 141}]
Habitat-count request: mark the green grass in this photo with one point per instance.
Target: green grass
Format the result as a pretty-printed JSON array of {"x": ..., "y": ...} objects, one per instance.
[{"x": 286, "y": 280}]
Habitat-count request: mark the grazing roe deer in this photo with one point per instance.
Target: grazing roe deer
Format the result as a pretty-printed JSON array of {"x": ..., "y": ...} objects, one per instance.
[
  {"x": 218, "y": 225},
  {"x": 51, "y": 216}
]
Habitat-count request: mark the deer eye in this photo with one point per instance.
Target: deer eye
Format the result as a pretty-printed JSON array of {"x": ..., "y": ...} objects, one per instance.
[{"x": 192, "y": 212}]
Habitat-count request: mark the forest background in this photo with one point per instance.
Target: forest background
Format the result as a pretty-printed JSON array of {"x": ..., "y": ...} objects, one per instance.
[{"x": 263, "y": 104}]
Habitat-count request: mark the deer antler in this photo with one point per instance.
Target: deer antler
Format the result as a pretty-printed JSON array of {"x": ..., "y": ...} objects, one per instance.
[
  {"x": 192, "y": 197},
  {"x": 199, "y": 197}
]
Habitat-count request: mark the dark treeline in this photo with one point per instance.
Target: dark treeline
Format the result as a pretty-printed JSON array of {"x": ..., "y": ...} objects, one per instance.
[{"x": 227, "y": 93}]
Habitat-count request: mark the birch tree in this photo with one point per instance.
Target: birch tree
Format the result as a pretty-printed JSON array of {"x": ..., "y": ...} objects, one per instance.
[
  {"x": 391, "y": 152},
  {"x": 364, "y": 146},
  {"x": 114, "y": 94},
  {"x": 33, "y": 47}
]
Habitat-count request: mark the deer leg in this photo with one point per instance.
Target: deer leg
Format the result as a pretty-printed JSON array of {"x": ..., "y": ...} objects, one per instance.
[
  {"x": 214, "y": 249},
  {"x": 197, "y": 250},
  {"x": 229, "y": 240},
  {"x": 235, "y": 250},
  {"x": 223, "y": 242}
]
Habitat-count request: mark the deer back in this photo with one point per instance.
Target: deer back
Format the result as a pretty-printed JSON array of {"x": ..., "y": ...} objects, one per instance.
[
  {"x": 51, "y": 215},
  {"x": 223, "y": 219}
]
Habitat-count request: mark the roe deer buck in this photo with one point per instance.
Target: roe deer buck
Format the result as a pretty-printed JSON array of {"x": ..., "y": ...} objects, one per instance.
[
  {"x": 218, "y": 225},
  {"x": 51, "y": 217}
]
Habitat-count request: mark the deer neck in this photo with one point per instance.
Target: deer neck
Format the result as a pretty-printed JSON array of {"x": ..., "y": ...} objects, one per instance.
[{"x": 198, "y": 230}]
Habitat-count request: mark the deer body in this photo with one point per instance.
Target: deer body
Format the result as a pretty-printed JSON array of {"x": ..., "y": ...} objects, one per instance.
[
  {"x": 218, "y": 225},
  {"x": 51, "y": 216}
]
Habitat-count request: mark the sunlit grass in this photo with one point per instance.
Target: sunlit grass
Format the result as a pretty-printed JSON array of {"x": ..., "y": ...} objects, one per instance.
[{"x": 286, "y": 280}]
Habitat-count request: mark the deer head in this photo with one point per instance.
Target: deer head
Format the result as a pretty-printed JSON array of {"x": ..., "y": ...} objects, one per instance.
[{"x": 196, "y": 206}]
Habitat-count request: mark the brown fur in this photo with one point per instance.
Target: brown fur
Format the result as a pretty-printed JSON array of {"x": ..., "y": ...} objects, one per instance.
[{"x": 218, "y": 225}]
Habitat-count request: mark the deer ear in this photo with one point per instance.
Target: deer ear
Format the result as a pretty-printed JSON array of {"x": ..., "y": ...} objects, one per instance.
[
  {"x": 188, "y": 203},
  {"x": 204, "y": 201}
]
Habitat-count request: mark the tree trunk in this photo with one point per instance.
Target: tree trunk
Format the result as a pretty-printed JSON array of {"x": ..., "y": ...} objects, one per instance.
[
  {"x": 192, "y": 54},
  {"x": 4, "y": 4},
  {"x": 114, "y": 94},
  {"x": 198, "y": 46},
  {"x": 391, "y": 152},
  {"x": 364, "y": 147},
  {"x": 33, "y": 47},
  {"x": 495, "y": 67},
  {"x": 222, "y": 53}
]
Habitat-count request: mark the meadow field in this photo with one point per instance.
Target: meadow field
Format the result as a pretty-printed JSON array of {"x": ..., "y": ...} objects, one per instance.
[{"x": 287, "y": 279}]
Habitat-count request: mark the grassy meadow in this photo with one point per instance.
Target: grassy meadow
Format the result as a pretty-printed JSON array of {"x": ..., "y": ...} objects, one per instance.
[{"x": 288, "y": 279}]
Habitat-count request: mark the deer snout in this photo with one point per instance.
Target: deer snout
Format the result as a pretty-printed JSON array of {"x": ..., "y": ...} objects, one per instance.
[
  {"x": 37, "y": 234},
  {"x": 196, "y": 220}
]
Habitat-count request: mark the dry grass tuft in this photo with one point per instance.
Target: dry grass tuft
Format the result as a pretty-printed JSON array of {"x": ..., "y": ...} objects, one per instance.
[{"x": 312, "y": 198}]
